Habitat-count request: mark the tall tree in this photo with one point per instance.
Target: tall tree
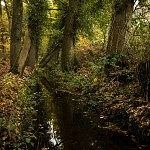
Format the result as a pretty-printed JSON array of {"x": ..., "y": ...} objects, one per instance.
[
  {"x": 37, "y": 16},
  {"x": 121, "y": 17},
  {"x": 69, "y": 31},
  {"x": 2, "y": 34},
  {"x": 16, "y": 32}
]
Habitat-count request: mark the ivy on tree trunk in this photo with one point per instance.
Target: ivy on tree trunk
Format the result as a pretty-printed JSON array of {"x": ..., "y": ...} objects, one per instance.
[{"x": 16, "y": 33}]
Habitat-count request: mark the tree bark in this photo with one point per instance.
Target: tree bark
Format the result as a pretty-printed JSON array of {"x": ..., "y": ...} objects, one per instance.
[
  {"x": 24, "y": 53},
  {"x": 52, "y": 57},
  {"x": 8, "y": 12},
  {"x": 68, "y": 36},
  {"x": 16, "y": 33},
  {"x": 2, "y": 35},
  {"x": 121, "y": 17},
  {"x": 33, "y": 53},
  {"x": 37, "y": 15}
]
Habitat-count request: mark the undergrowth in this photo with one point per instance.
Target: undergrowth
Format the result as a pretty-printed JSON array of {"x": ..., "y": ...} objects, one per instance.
[
  {"x": 112, "y": 100},
  {"x": 108, "y": 100},
  {"x": 17, "y": 112}
]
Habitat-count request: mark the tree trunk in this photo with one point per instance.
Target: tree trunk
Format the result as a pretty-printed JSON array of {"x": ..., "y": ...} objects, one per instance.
[
  {"x": 8, "y": 12},
  {"x": 2, "y": 36},
  {"x": 16, "y": 32},
  {"x": 68, "y": 36},
  {"x": 24, "y": 53},
  {"x": 33, "y": 53},
  {"x": 121, "y": 17},
  {"x": 37, "y": 16},
  {"x": 52, "y": 54}
]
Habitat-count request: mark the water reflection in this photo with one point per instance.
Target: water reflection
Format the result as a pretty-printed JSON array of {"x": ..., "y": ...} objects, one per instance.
[
  {"x": 52, "y": 133},
  {"x": 60, "y": 127}
]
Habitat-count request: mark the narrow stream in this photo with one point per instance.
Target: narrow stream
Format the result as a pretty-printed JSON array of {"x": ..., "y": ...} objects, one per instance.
[{"x": 59, "y": 128}]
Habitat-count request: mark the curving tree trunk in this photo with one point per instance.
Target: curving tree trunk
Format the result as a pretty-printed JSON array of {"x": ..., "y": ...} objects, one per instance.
[
  {"x": 121, "y": 18},
  {"x": 52, "y": 54},
  {"x": 16, "y": 33}
]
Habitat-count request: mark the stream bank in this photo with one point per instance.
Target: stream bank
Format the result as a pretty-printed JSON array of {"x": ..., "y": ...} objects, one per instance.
[
  {"x": 81, "y": 128},
  {"x": 54, "y": 114}
]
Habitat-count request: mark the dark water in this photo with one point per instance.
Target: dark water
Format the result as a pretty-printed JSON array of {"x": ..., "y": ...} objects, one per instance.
[{"x": 60, "y": 128}]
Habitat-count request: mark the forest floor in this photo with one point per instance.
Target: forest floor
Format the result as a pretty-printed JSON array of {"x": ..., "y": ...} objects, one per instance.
[
  {"x": 114, "y": 104},
  {"x": 109, "y": 104},
  {"x": 12, "y": 108}
]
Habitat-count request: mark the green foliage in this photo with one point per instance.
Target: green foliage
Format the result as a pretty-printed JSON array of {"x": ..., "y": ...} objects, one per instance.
[
  {"x": 94, "y": 19},
  {"x": 96, "y": 67},
  {"x": 91, "y": 19},
  {"x": 27, "y": 103},
  {"x": 139, "y": 40},
  {"x": 37, "y": 17},
  {"x": 55, "y": 24},
  {"x": 65, "y": 81},
  {"x": 17, "y": 119},
  {"x": 76, "y": 82},
  {"x": 114, "y": 58}
]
